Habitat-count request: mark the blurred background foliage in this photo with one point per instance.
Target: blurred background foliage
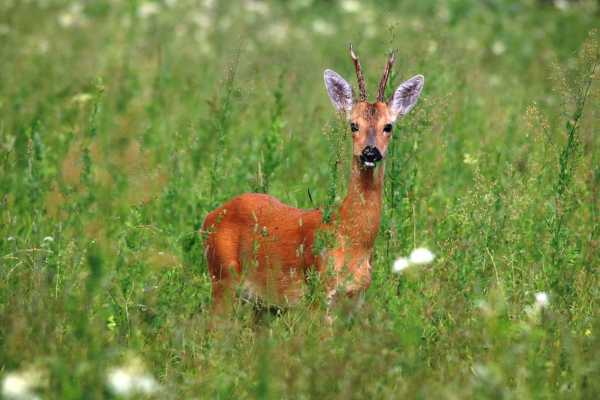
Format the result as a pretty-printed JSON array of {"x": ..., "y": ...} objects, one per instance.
[{"x": 122, "y": 123}]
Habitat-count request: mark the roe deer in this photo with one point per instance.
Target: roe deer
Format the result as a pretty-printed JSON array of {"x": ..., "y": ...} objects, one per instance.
[{"x": 266, "y": 247}]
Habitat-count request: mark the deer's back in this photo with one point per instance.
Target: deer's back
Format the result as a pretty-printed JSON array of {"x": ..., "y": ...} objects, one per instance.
[{"x": 259, "y": 230}]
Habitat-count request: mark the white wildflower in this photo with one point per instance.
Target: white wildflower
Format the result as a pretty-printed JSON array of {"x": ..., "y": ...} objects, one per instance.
[
  {"x": 469, "y": 159},
  {"x": 350, "y": 6},
  {"x": 209, "y": 3},
  {"x": 534, "y": 311},
  {"x": 562, "y": 5},
  {"x": 421, "y": 256},
  {"x": 66, "y": 20},
  {"x": 148, "y": 9},
  {"x": 542, "y": 300},
  {"x": 81, "y": 98},
  {"x": 323, "y": 27},
  {"x": 498, "y": 48},
  {"x": 400, "y": 265},
  {"x": 72, "y": 17},
  {"x": 21, "y": 385},
  {"x": 256, "y": 7},
  {"x": 481, "y": 371},
  {"x": 131, "y": 379},
  {"x": 15, "y": 386},
  {"x": 10, "y": 238},
  {"x": 48, "y": 239}
]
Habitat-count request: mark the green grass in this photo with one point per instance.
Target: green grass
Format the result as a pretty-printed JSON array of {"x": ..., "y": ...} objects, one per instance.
[{"x": 120, "y": 130}]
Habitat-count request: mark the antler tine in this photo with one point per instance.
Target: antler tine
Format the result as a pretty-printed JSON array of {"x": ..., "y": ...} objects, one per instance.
[
  {"x": 359, "y": 75},
  {"x": 386, "y": 75}
]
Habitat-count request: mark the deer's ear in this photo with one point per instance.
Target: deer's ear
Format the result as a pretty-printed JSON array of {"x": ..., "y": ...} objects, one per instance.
[
  {"x": 406, "y": 96},
  {"x": 340, "y": 91}
]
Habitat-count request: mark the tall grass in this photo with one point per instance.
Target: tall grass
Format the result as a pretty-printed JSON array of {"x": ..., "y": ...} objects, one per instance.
[
  {"x": 221, "y": 111},
  {"x": 579, "y": 87},
  {"x": 123, "y": 123},
  {"x": 271, "y": 148}
]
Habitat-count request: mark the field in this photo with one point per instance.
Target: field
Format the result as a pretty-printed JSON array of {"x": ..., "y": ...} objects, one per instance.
[{"x": 122, "y": 123}]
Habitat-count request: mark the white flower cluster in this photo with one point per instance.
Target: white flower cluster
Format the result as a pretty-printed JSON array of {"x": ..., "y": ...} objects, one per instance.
[
  {"x": 21, "y": 385},
  {"x": 131, "y": 379},
  {"x": 534, "y": 311},
  {"x": 148, "y": 9},
  {"x": 419, "y": 256},
  {"x": 73, "y": 16},
  {"x": 542, "y": 300},
  {"x": 351, "y": 6}
]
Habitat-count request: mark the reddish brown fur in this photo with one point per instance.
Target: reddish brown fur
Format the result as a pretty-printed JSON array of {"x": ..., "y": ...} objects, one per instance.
[
  {"x": 258, "y": 238},
  {"x": 266, "y": 247}
]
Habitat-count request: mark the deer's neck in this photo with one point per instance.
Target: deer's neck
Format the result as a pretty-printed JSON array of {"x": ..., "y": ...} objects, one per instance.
[{"x": 360, "y": 212}]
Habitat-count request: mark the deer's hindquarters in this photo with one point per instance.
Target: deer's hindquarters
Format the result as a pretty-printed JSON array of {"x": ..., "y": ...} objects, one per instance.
[{"x": 260, "y": 247}]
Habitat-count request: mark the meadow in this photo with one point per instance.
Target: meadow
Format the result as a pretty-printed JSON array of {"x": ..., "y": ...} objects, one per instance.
[{"x": 122, "y": 123}]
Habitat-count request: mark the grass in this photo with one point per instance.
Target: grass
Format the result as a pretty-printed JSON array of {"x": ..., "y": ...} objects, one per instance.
[{"x": 122, "y": 123}]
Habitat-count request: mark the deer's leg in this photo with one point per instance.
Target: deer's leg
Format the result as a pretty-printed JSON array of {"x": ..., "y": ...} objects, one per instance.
[
  {"x": 224, "y": 269},
  {"x": 223, "y": 287}
]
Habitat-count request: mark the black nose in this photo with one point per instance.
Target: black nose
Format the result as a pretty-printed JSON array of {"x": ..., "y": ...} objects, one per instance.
[{"x": 370, "y": 155}]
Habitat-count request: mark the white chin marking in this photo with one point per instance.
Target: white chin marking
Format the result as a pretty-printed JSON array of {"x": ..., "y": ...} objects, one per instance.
[{"x": 369, "y": 164}]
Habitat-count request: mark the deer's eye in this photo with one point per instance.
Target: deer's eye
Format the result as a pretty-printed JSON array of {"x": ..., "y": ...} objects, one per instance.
[
  {"x": 387, "y": 128},
  {"x": 354, "y": 127}
]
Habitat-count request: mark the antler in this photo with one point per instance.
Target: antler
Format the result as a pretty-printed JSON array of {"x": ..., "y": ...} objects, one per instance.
[
  {"x": 386, "y": 75},
  {"x": 359, "y": 75}
]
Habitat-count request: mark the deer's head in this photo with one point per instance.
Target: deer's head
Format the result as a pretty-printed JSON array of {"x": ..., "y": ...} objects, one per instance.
[{"x": 372, "y": 123}]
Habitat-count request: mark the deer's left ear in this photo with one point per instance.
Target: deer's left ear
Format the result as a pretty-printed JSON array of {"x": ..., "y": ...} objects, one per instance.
[{"x": 406, "y": 96}]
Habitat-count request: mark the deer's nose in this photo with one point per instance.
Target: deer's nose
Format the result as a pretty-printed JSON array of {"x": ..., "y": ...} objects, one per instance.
[{"x": 370, "y": 155}]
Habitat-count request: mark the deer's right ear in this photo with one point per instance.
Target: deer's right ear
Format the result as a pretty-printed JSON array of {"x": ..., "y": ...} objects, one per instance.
[{"x": 340, "y": 92}]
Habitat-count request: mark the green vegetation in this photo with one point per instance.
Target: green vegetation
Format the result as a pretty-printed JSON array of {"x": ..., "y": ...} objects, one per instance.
[{"x": 122, "y": 123}]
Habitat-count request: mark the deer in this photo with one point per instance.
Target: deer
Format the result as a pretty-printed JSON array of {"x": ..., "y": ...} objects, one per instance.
[{"x": 261, "y": 249}]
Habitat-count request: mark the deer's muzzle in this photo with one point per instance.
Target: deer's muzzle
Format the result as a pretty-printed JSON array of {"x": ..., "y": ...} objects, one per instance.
[{"x": 370, "y": 155}]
